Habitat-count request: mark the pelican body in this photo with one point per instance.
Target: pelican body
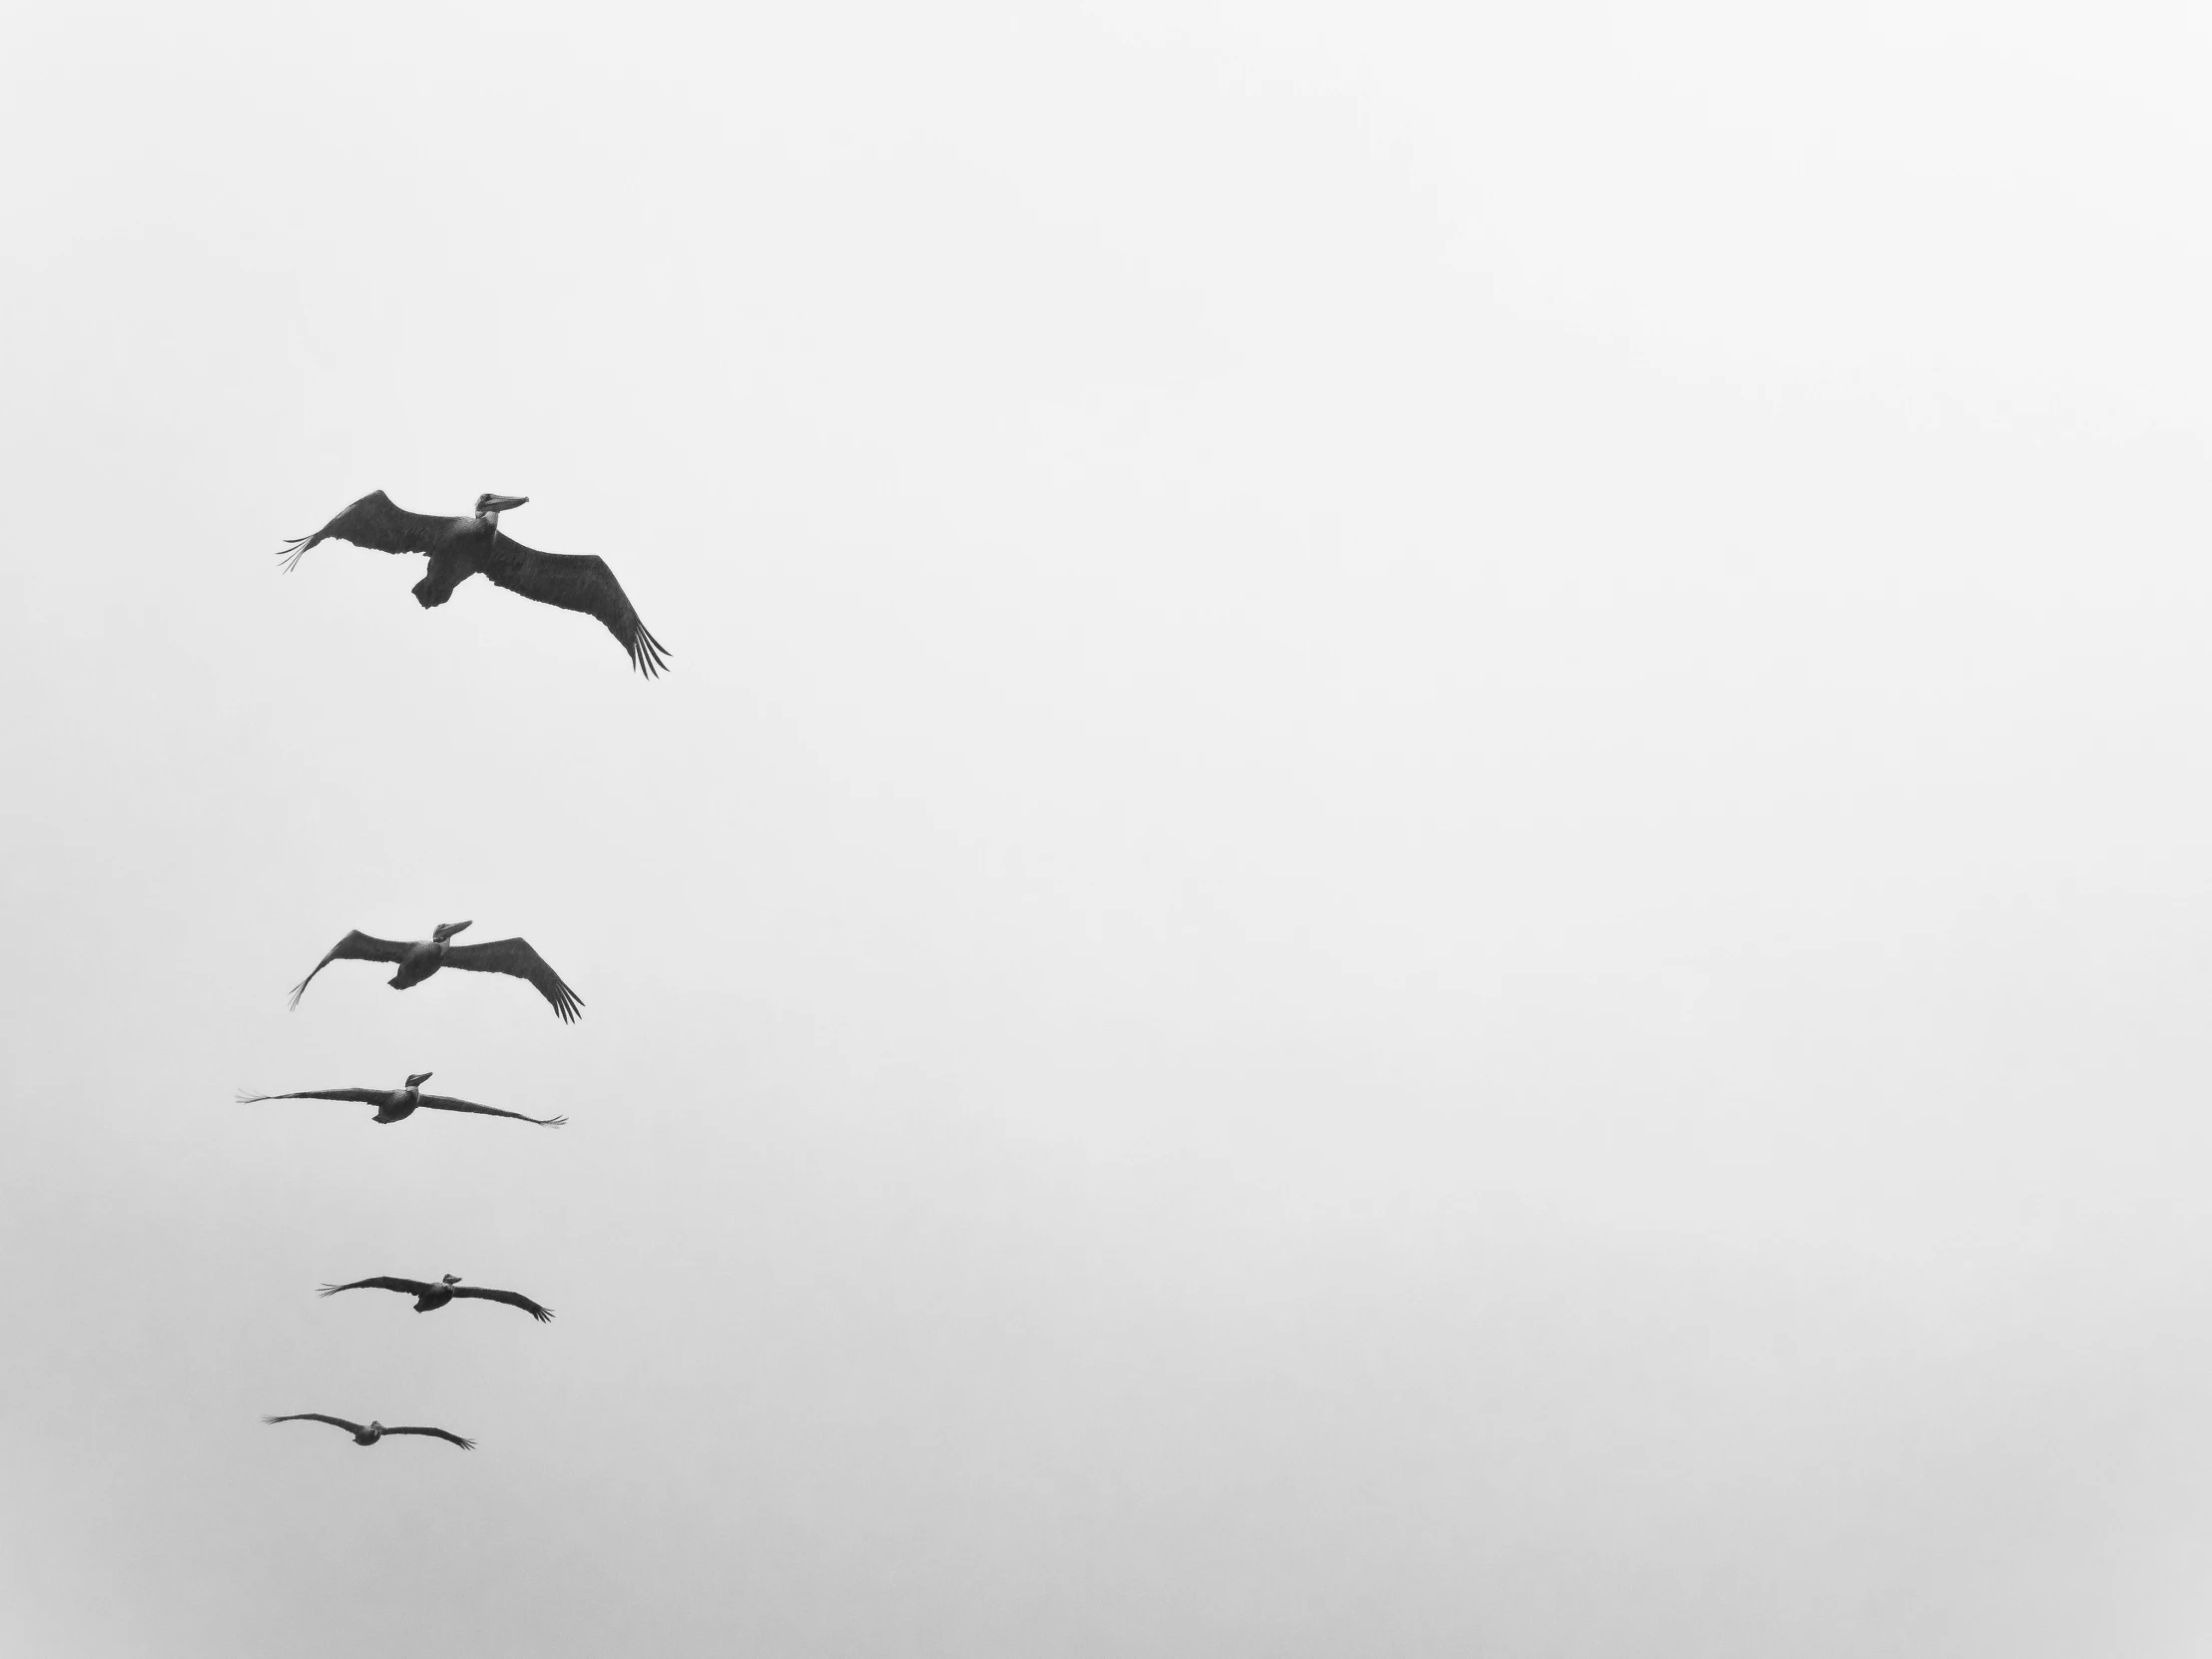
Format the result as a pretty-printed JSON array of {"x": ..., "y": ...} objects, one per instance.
[
  {"x": 425, "y": 956},
  {"x": 463, "y": 547},
  {"x": 402, "y": 1101}
]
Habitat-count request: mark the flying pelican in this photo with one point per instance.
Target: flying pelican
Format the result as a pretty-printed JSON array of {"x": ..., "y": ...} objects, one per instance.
[
  {"x": 418, "y": 961},
  {"x": 430, "y": 1298},
  {"x": 374, "y": 1432},
  {"x": 395, "y": 1104},
  {"x": 461, "y": 547}
]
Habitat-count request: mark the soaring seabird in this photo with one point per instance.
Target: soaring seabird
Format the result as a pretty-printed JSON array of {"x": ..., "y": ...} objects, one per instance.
[
  {"x": 418, "y": 960},
  {"x": 369, "y": 1434},
  {"x": 393, "y": 1105},
  {"x": 461, "y": 547},
  {"x": 430, "y": 1298}
]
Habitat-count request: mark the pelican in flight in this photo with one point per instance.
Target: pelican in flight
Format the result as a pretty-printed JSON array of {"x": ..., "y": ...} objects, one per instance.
[
  {"x": 370, "y": 1432},
  {"x": 461, "y": 547},
  {"x": 418, "y": 961},
  {"x": 395, "y": 1104},
  {"x": 430, "y": 1298}
]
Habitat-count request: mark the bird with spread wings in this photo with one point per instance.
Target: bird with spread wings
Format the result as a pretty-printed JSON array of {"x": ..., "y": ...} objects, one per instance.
[
  {"x": 369, "y": 1434},
  {"x": 396, "y": 1105},
  {"x": 422, "y": 958},
  {"x": 429, "y": 1298},
  {"x": 474, "y": 544}
]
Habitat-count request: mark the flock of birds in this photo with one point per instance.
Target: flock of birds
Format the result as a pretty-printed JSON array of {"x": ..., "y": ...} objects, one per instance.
[{"x": 459, "y": 548}]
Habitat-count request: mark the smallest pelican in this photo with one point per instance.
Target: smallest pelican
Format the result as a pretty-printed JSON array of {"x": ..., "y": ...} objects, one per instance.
[
  {"x": 372, "y": 1431},
  {"x": 393, "y": 1105}
]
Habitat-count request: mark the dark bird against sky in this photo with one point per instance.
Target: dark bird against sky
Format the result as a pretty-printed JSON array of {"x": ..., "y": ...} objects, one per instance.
[
  {"x": 430, "y": 1298},
  {"x": 370, "y": 1432},
  {"x": 418, "y": 960},
  {"x": 396, "y": 1105},
  {"x": 462, "y": 547}
]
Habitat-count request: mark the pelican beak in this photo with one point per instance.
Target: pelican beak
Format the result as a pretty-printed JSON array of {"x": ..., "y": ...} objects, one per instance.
[
  {"x": 503, "y": 503},
  {"x": 447, "y": 929}
]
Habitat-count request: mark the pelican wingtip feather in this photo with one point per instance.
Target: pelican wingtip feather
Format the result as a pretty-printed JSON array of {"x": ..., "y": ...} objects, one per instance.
[{"x": 648, "y": 654}]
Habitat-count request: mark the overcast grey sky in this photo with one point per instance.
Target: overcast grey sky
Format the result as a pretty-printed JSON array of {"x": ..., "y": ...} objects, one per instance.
[{"x": 1426, "y": 874}]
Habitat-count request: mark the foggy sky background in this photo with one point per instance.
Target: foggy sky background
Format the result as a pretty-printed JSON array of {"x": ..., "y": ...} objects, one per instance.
[{"x": 1427, "y": 872}]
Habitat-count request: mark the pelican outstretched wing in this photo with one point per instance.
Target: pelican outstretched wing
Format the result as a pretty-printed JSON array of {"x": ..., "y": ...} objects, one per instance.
[
  {"x": 406, "y": 1287},
  {"x": 513, "y": 1299},
  {"x": 364, "y": 1097},
  {"x": 510, "y": 956},
  {"x": 446, "y": 1103},
  {"x": 318, "y": 1416},
  {"x": 575, "y": 582},
  {"x": 357, "y": 946},
  {"x": 465, "y": 1445},
  {"x": 374, "y": 521}
]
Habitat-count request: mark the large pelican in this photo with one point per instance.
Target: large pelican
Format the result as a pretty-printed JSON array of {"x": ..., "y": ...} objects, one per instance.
[
  {"x": 395, "y": 1104},
  {"x": 370, "y": 1432},
  {"x": 430, "y": 1298},
  {"x": 418, "y": 961},
  {"x": 461, "y": 547}
]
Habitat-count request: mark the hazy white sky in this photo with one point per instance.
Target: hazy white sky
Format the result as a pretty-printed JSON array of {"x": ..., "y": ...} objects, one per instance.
[{"x": 1426, "y": 874}]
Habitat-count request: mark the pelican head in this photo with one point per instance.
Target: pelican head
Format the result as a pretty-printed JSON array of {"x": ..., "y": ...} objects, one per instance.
[
  {"x": 452, "y": 1279},
  {"x": 491, "y": 506},
  {"x": 415, "y": 1080},
  {"x": 375, "y": 1427},
  {"x": 447, "y": 929}
]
